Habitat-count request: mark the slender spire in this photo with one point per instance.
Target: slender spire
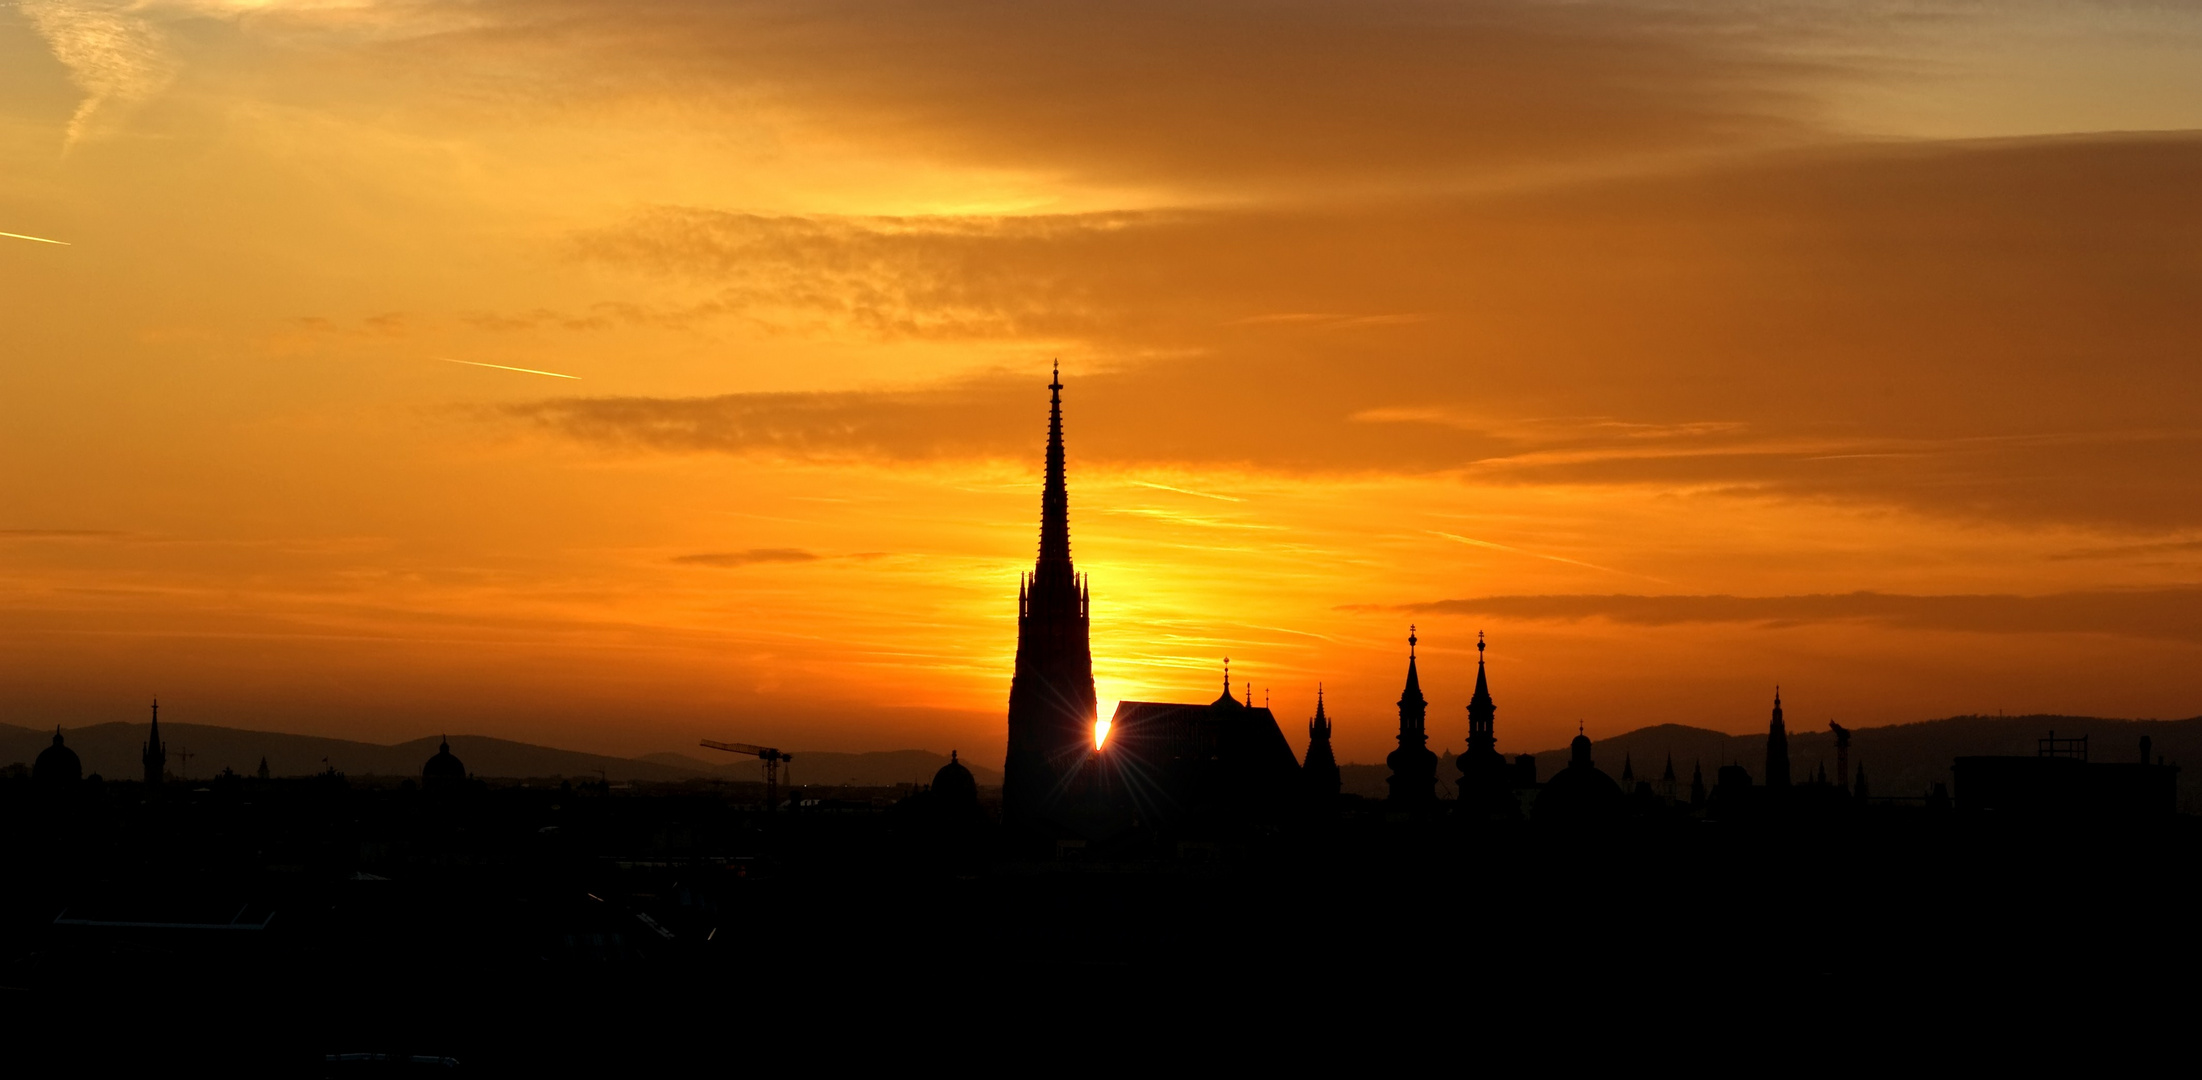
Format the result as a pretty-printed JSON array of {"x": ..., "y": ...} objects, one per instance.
[
  {"x": 1055, "y": 498},
  {"x": 1482, "y": 696},
  {"x": 155, "y": 754},
  {"x": 1413, "y": 692}
]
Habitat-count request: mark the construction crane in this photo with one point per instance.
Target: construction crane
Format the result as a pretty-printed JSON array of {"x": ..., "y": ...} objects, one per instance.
[{"x": 771, "y": 757}]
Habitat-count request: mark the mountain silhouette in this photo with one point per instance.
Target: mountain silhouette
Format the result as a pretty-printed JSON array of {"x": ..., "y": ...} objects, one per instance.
[{"x": 112, "y": 750}]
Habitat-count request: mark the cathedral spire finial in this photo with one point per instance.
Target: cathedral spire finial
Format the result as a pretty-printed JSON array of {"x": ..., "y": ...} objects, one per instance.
[
  {"x": 1055, "y": 496},
  {"x": 1227, "y": 676},
  {"x": 1411, "y": 639}
]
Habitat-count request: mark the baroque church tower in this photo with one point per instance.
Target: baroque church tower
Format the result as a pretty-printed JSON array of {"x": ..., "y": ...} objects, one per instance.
[
  {"x": 1414, "y": 768},
  {"x": 1485, "y": 781},
  {"x": 1051, "y": 697}
]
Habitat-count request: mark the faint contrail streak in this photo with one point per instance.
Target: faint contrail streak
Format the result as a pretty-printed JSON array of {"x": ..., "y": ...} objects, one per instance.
[
  {"x": 504, "y": 367},
  {"x": 40, "y": 239},
  {"x": 1535, "y": 555}
]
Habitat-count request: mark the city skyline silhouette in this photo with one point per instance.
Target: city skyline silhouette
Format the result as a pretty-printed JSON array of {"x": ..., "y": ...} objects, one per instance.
[{"x": 574, "y": 537}]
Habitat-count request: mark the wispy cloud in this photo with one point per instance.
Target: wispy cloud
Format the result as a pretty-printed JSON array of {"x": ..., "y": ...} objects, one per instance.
[
  {"x": 750, "y": 557},
  {"x": 113, "y": 53},
  {"x": 60, "y": 534},
  {"x": 2173, "y": 613}
]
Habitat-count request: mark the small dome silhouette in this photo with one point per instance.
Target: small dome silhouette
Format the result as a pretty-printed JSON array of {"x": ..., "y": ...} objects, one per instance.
[
  {"x": 954, "y": 785},
  {"x": 444, "y": 770},
  {"x": 57, "y": 764},
  {"x": 1580, "y": 793}
]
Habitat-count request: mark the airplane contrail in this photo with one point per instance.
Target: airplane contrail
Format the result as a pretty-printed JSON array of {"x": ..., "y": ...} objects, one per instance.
[
  {"x": 40, "y": 239},
  {"x": 1473, "y": 542},
  {"x": 505, "y": 367}
]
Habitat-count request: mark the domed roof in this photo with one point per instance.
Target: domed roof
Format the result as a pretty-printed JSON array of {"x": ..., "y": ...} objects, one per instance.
[
  {"x": 1580, "y": 792},
  {"x": 954, "y": 785},
  {"x": 57, "y": 764},
  {"x": 444, "y": 767}
]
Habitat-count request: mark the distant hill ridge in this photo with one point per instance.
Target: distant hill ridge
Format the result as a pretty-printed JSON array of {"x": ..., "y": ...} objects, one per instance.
[
  {"x": 1900, "y": 759},
  {"x": 113, "y": 749}
]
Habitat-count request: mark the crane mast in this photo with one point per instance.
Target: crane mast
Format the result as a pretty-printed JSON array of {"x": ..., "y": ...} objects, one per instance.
[{"x": 769, "y": 755}]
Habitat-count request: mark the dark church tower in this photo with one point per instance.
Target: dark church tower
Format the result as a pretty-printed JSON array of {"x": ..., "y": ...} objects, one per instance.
[
  {"x": 1484, "y": 777},
  {"x": 1320, "y": 769},
  {"x": 1051, "y": 698},
  {"x": 1777, "y": 748},
  {"x": 1414, "y": 768},
  {"x": 156, "y": 751},
  {"x": 1483, "y": 739}
]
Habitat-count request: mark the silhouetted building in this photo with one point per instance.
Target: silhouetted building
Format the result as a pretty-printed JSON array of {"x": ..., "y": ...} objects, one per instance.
[
  {"x": 1697, "y": 783},
  {"x": 1580, "y": 794},
  {"x": 2060, "y": 781},
  {"x": 1320, "y": 770},
  {"x": 1051, "y": 696},
  {"x": 56, "y": 765},
  {"x": 444, "y": 771},
  {"x": 1486, "y": 783},
  {"x": 155, "y": 753},
  {"x": 1670, "y": 786},
  {"x": 1413, "y": 781},
  {"x": 1777, "y": 747},
  {"x": 1858, "y": 787},
  {"x": 954, "y": 786},
  {"x": 1201, "y": 769}
]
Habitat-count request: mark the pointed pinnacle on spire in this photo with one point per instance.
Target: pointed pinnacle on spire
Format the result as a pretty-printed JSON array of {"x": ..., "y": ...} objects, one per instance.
[
  {"x": 1319, "y": 702},
  {"x": 1227, "y": 676},
  {"x": 1411, "y": 640},
  {"x": 1055, "y": 496}
]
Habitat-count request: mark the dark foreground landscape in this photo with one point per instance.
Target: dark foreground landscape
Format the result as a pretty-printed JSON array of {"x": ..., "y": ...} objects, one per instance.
[{"x": 318, "y": 926}]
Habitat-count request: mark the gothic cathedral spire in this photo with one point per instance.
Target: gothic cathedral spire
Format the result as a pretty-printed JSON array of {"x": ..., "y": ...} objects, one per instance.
[
  {"x": 155, "y": 756},
  {"x": 1051, "y": 697},
  {"x": 1777, "y": 747},
  {"x": 1320, "y": 769}
]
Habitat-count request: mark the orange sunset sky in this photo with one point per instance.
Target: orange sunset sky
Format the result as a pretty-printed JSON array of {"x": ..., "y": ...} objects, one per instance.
[{"x": 1685, "y": 348}]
